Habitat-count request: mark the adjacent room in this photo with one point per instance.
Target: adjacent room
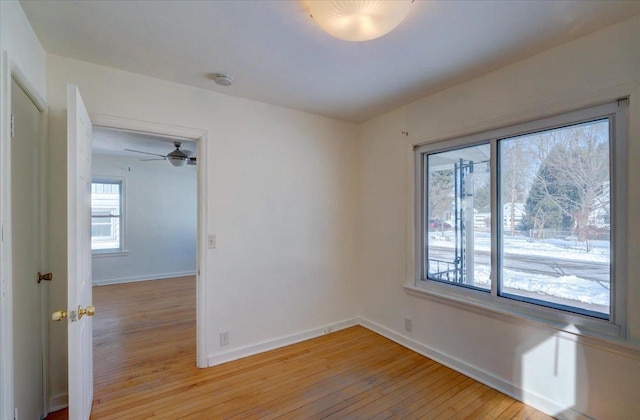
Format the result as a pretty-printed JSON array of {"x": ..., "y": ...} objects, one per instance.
[
  {"x": 143, "y": 241},
  {"x": 319, "y": 209},
  {"x": 143, "y": 209}
]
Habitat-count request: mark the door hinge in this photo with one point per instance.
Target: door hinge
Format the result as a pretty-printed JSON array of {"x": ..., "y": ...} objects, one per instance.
[{"x": 13, "y": 126}]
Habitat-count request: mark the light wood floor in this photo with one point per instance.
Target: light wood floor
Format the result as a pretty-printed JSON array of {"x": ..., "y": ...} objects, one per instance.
[{"x": 144, "y": 356}]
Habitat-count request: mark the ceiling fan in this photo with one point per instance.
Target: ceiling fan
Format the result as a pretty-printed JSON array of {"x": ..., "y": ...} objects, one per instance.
[{"x": 176, "y": 158}]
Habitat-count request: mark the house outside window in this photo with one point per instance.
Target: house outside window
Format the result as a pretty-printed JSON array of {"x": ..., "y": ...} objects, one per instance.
[
  {"x": 107, "y": 216},
  {"x": 555, "y": 249}
]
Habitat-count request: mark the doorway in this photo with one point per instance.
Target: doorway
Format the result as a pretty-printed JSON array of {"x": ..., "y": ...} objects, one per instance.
[
  {"x": 144, "y": 245},
  {"x": 174, "y": 132},
  {"x": 28, "y": 297},
  {"x": 200, "y": 139}
]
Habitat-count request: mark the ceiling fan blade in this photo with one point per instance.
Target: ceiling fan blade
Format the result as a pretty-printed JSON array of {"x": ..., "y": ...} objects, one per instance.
[
  {"x": 187, "y": 152},
  {"x": 148, "y": 160},
  {"x": 192, "y": 161},
  {"x": 146, "y": 153}
]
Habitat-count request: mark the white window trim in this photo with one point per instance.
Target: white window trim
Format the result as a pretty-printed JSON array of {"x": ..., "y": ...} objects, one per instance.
[
  {"x": 122, "y": 251},
  {"x": 616, "y": 328}
]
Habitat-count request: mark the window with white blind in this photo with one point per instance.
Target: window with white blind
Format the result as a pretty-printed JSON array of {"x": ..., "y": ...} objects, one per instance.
[{"x": 107, "y": 216}]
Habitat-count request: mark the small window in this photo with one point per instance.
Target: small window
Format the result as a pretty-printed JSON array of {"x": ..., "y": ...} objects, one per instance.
[
  {"x": 106, "y": 216},
  {"x": 529, "y": 219}
]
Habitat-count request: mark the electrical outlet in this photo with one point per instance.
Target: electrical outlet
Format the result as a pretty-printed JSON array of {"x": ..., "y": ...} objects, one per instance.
[
  {"x": 408, "y": 325},
  {"x": 211, "y": 241},
  {"x": 224, "y": 338}
]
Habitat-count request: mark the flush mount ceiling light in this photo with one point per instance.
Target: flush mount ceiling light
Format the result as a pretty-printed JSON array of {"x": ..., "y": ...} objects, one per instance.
[{"x": 358, "y": 20}]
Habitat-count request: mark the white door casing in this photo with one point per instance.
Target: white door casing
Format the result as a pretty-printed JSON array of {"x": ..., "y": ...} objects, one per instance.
[
  {"x": 79, "y": 293},
  {"x": 10, "y": 72}
]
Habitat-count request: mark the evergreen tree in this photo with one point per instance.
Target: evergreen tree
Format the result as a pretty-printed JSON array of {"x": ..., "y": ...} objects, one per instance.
[{"x": 542, "y": 209}]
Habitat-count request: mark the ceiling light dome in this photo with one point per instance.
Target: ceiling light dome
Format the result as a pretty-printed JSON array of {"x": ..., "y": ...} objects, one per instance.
[
  {"x": 358, "y": 20},
  {"x": 177, "y": 158}
]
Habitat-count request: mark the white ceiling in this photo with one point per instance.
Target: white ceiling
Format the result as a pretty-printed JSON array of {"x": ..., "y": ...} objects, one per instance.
[
  {"x": 110, "y": 141},
  {"x": 278, "y": 55}
]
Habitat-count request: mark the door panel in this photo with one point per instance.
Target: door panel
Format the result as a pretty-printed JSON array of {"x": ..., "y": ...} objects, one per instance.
[
  {"x": 26, "y": 258},
  {"x": 80, "y": 338}
]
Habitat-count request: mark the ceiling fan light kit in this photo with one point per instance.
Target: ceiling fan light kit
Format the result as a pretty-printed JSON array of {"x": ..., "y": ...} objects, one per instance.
[
  {"x": 177, "y": 161},
  {"x": 177, "y": 158},
  {"x": 358, "y": 20}
]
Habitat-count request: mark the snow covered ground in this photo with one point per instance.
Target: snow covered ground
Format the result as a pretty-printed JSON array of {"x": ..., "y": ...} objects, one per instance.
[
  {"x": 573, "y": 290},
  {"x": 556, "y": 248}
]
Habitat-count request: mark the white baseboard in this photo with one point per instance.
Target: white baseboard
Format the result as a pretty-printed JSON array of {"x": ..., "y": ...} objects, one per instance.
[
  {"x": 58, "y": 402},
  {"x": 134, "y": 279},
  {"x": 514, "y": 391},
  {"x": 216, "y": 359}
]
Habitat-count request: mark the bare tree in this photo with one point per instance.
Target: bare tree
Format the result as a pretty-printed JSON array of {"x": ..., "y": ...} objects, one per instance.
[
  {"x": 576, "y": 175},
  {"x": 514, "y": 170}
]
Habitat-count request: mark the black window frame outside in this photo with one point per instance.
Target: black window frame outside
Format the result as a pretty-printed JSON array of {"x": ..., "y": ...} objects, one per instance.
[{"x": 613, "y": 327}]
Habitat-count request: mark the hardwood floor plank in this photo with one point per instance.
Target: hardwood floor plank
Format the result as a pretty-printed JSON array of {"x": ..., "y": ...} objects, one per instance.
[
  {"x": 347, "y": 396},
  {"x": 458, "y": 396},
  {"x": 491, "y": 411},
  {"x": 411, "y": 391},
  {"x": 145, "y": 367},
  {"x": 421, "y": 404},
  {"x": 473, "y": 405},
  {"x": 511, "y": 411}
]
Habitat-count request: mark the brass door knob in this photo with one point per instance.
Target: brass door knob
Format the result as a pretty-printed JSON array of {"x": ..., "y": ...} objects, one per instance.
[
  {"x": 47, "y": 277},
  {"x": 59, "y": 315},
  {"x": 88, "y": 311}
]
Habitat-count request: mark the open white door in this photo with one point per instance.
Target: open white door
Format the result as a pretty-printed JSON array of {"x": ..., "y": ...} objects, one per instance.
[{"x": 79, "y": 296}]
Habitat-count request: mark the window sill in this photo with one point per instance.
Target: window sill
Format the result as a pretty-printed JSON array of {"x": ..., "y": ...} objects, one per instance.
[
  {"x": 577, "y": 328},
  {"x": 109, "y": 253}
]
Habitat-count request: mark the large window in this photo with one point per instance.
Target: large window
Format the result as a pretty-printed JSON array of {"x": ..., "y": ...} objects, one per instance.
[
  {"x": 106, "y": 216},
  {"x": 529, "y": 218}
]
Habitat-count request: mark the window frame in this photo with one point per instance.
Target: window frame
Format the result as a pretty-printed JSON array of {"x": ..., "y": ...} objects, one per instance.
[
  {"x": 613, "y": 328},
  {"x": 121, "y": 250}
]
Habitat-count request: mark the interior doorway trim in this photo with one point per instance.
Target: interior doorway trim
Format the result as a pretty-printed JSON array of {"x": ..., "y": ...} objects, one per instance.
[
  {"x": 200, "y": 137},
  {"x": 9, "y": 70}
]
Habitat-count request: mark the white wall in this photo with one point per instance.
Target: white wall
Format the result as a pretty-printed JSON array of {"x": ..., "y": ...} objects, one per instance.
[
  {"x": 541, "y": 365},
  {"x": 160, "y": 220},
  {"x": 22, "y": 44},
  {"x": 282, "y": 197},
  {"x": 24, "y": 53}
]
